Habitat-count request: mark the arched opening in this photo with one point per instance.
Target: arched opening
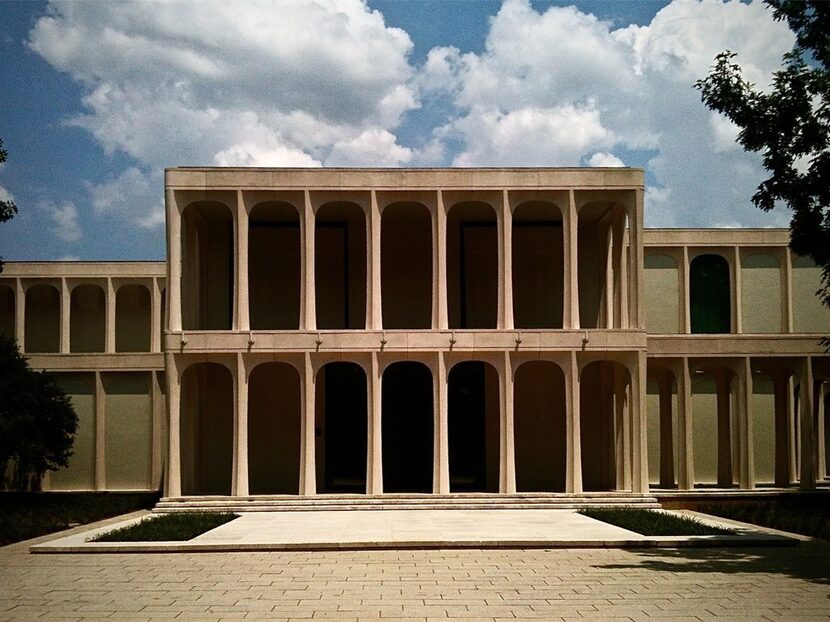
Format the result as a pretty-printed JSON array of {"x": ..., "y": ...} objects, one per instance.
[
  {"x": 473, "y": 427},
  {"x": 407, "y": 427},
  {"x": 604, "y": 402},
  {"x": 472, "y": 266},
  {"x": 274, "y": 412},
  {"x": 764, "y": 444},
  {"x": 661, "y": 426},
  {"x": 274, "y": 266},
  {"x": 709, "y": 294},
  {"x": 662, "y": 293},
  {"x": 539, "y": 427},
  {"x": 594, "y": 257},
  {"x": 207, "y": 429},
  {"x": 132, "y": 318},
  {"x": 760, "y": 294},
  {"x": 713, "y": 425},
  {"x": 129, "y": 430},
  {"x": 340, "y": 266},
  {"x": 538, "y": 274},
  {"x": 341, "y": 428},
  {"x": 43, "y": 319},
  {"x": 207, "y": 266},
  {"x": 79, "y": 473},
  {"x": 8, "y": 312},
  {"x": 406, "y": 266},
  {"x": 87, "y": 319},
  {"x": 163, "y": 319}
]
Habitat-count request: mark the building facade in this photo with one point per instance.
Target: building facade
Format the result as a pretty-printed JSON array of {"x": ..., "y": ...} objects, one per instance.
[{"x": 434, "y": 331}]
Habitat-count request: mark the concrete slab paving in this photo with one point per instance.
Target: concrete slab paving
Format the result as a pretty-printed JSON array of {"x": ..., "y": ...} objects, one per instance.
[{"x": 399, "y": 529}]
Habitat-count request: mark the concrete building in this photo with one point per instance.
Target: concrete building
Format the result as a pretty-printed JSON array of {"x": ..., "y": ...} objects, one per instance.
[{"x": 432, "y": 331}]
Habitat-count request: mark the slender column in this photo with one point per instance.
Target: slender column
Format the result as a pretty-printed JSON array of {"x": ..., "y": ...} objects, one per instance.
[
  {"x": 791, "y": 429},
  {"x": 618, "y": 260},
  {"x": 439, "y": 267},
  {"x": 622, "y": 429},
  {"x": 787, "y": 298},
  {"x": 685, "y": 435},
  {"x": 783, "y": 427},
  {"x": 666, "y": 432},
  {"x": 440, "y": 452},
  {"x": 156, "y": 321},
  {"x": 505, "y": 222},
  {"x": 109, "y": 321},
  {"x": 821, "y": 457},
  {"x": 737, "y": 295},
  {"x": 636, "y": 258},
  {"x": 374, "y": 307},
  {"x": 240, "y": 428},
  {"x": 242, "y": 317},
  {"x": 805, "y": 417},
  {"x": 174, "y": 463},
  {"x": 724, "y": 429},
  {"x": 610, "y": 311},
  {"x": 157, "y": 405},
  {"x": 308, "y": 295},
  {"x": 374, "y": 467},
  {"x": 507, "y": 470},
  {"x": 685, "y": 300},
  {"x": 308, "y": 475},
  {"x": 746, "y": 459},
  {"x": 100, "y": 434},
  {"x": 20, "y": 315},
  {"x": 639, "y": 454},
  {"x": 174, "y": 264},
  {"x": 570, "y": 311},
  {"x": 66, "y": 304},
  {"x": 573, "y": 465}
]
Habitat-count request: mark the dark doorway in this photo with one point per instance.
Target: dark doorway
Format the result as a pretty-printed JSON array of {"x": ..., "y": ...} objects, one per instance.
[
  {"x": 407, "y": 407},
  {"x": 341, "y": 428},
  {"x": 709, "y": 293},
  {"x": 473, "y": 426}
]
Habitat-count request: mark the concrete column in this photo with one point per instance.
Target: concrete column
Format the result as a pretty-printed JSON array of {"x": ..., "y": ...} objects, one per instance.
[
  {"x": 666, "y": 432},
  {"x": 109, "y": 321},
  {"x": 507, "y": 468},
  {"x": 374, "y": 466},
  {"x": 308, "y": 475},
  {"x": 685, "y": 435},
  {"x": 791, "y": 429},
  {"x": 722, "y": 382},
  {"x": 622, "y": 428},
  {"x": 805, "y": 417},
  {"x": 66, "y": 304},
  {"x": 618, "y": 260},
  {"x": 240, "y": 428},
  {"x": 821, "y": 449},
  {"x": 241, "y": 317},
  {"x": 639, "y": 445},
  {"x": 787, "y": 298},
  {"x": 20, "y": 315},
  {"x": 174, "y": 464},
  {"x": 100, "y": 434},
  {"x": 174, "y": 263},
  {"x": 636, "y": 258},
  {"x": 737, "y": 296},
  {"x": 505, "y": 285},
  {"x": 440, "y": 451},
  {"x": 308, "y": 293},
  {"x": 157, "y": 405},
  {"x": 685, "y": 297},
  {"x": 610, "y": 312},
  {"x": 439, "y": 267},
  {"x": 570, "y": 311},
  {"x": 573, "y": 465},
  {"x": 156, "y": 321},
  {"x": 746, "y": 458},
  {"x": 783, "y": 427},
  {"x": 374, "y": 305}
]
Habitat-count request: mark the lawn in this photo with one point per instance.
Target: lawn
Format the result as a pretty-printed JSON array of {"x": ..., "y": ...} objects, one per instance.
[
  {"x": 808, "y": 514},
  {"x": 650, "y": 523},
  {"x": 29, "y": 515},
  {"x": 167, "y": 527}
]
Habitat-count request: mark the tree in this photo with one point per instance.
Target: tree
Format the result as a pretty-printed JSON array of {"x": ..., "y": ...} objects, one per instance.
[
  {"x": 789, "y": 125},
  {"x": 37, "y": 421},
  {"x": 7, "y": 208}
]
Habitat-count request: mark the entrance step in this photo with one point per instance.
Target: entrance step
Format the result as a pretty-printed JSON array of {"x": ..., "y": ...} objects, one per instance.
[{"x": 460, "y": 501}]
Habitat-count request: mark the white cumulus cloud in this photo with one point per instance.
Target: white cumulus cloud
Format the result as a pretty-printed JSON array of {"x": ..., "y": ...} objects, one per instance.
[{"x": 64, "y": 218}]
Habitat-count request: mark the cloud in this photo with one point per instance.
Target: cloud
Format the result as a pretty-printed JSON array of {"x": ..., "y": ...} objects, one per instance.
[
  {"x": 602, "y": 158},
  {"x": 5, "y": 195},
  {"x": 134, "y": 196},
  {"x": 65, "y": 221},
  {"x": 372, "y": 147}
]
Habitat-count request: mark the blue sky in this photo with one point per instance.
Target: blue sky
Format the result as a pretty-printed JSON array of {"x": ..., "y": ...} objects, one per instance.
[{"x": 99, "y": 97}]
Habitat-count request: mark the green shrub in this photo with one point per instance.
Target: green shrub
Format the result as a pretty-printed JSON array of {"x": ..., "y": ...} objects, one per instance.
[
  {"x": 651, "y": 523},
  {"x": 167, "y": 527}
]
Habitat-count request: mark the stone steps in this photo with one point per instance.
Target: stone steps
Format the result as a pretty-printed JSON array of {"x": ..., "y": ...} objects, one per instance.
[{"x": 483, "y": 501}]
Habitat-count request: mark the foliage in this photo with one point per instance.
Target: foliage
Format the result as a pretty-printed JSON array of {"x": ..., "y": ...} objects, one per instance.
[
  {"x": 650, "y": 523},
  {"x": 7, "y": 208},
  {"x": 25, "y": 515},
  {"x": 789, "y": 125},
  {"x": 37, "y": 421},
  {"x": 167, "y": 527},
  {"x": 808, "y": 517}
]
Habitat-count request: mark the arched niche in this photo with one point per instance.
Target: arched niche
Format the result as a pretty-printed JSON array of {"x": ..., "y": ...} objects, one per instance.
[
  {"x": 760, "y": 294},
  {"x": 8, "y": 311},
  {"x": 87, "y": 318},
  {"x": 662, "y": 294},
  {"x": 43, "y": 319},
  {"x": 709, "y": 293},
  {"x": 132, "y": 318}
]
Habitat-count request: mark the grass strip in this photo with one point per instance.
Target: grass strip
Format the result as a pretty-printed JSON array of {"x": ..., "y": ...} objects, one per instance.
[
  {"x": 651, "y": 523},
  {"x": 809, "y": 517},
  {"x": 167, "y": 527}
]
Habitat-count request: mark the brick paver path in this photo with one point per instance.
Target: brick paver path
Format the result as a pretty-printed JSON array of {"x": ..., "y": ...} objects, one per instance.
[{"x": 703, "y": 584}]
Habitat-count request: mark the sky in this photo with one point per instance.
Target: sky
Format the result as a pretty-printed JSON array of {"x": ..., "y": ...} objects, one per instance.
[{"x": 100, "y": 97}]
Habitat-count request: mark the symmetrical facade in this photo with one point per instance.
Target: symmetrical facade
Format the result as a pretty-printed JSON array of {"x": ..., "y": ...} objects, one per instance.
[{"x": 435, "y": 331}]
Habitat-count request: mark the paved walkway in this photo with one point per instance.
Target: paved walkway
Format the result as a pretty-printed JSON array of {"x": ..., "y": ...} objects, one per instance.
[{"x": 791, "y": 583}]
